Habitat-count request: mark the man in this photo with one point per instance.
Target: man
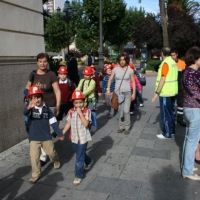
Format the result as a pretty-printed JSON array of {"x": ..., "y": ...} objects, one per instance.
[
  {"x": 166, "y": 89},
  {"x": 179, "y": 98},
  {"x": 72, "y": 68}
]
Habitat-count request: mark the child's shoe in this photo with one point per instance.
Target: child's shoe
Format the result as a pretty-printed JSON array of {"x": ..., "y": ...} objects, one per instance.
[
  {"x": 34, "y": 180},
  {"x": 56, "y": 164},
  {"x": 77, "y": 181},
  {"x": 87, "y": 167}
]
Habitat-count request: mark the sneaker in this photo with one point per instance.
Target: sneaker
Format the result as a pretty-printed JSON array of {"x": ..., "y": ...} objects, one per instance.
[
  {"x": 34, "y": 180},
  {"x": 161, "y": 136},
  {"x": 88, "y": 167},
  {"x": 56, "y": 164},
  {"x": 193, "y": 177},
  {"x": 120, "y": 131},
  {"x": 195, "y": 169},
  {"x": 110, "y": 116},
  {"x": 141, "y": 105},
  {"x": 132, "y": 112},
  {"x": 77, "y": 181},
  {"x": 126, "y": 132}
]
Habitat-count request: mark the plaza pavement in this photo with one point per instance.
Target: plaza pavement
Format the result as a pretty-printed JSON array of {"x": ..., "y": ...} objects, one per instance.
[{"x": 134, "y": 167}]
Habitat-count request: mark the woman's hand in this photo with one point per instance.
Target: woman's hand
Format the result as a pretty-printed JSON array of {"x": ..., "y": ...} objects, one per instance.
[
  {"x": 154, "y": 97},
  {"x": 133, "y": 97},
  {"x": 108, "y": 93},
  {"x": 57, "y": 110}
]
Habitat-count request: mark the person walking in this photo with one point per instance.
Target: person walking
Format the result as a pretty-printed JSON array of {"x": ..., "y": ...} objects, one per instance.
[
  {"x": 166, "y": 89},
  {"x": 78, "y": 120},
  {"x": 72, "y": 67},
  {"x": 40, "y": 116},
  {"x": 191, "y": 109},
  {"x": 48, "y": 83},
  {"x": 179, "y": 97},
  {"x": 123, "y": 74}
]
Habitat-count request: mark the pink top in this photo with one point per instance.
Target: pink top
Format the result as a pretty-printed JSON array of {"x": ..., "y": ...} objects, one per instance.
[{"x": 137, "y": 83}]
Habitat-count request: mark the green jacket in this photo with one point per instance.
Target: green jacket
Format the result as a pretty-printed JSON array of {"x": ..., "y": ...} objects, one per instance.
[{"x": 88, "y": 91}]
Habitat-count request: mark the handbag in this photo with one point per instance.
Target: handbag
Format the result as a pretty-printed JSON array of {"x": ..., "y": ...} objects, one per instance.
[
  {"x": 143, "y": 81},
  {"x": 114, "y": 101}
]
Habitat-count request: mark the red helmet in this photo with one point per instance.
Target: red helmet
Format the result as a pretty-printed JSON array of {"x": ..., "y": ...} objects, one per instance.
[
  {"x": 107, "y": 66},
  {"x": 77, "y": 94},
  {"x": 88, "y": 71},
  {"x": 34, "y": 90},
  {"x": 62, "y": 70}
]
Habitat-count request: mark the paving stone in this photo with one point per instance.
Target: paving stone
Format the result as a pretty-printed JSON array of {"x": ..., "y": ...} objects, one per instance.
[
  {"x": 152, "y": 153},
  {"x": 145, "y": 143},
  {"x": 107, "y": 170},
  {"x": 6, "y": 182},
  {"x": 148, "y": 136},
  {"x": 166, "y": 145},
  {"x": 72, "y": 194},
  {"x": 135, "y": 162},
  {"x": 117, "y": 197},
  {"x": 117, "y": 158},
  {"x": 159, "y": 191},
  {"x": 143, "y": 174},
  {"x": 151, "y": 130},
  {"x": 128, "y": 189},
  {"x": 128, "y": 141}
]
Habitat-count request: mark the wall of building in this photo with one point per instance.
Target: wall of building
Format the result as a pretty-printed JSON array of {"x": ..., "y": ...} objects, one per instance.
[{"x": 21, "y": 33}]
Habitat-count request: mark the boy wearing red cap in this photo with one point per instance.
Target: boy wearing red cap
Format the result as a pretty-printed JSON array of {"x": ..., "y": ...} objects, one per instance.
[
  {"x": 87, "y": 86},
  {"x": 66, "y": 87},
  {"x": 40, "y": 116},
  {"x": 78, "y": 118}
]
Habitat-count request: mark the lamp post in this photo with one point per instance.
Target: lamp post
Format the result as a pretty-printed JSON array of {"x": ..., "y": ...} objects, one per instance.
[
  {"x": 69, "y": 13},
  {"x": 101, "y": 63}
]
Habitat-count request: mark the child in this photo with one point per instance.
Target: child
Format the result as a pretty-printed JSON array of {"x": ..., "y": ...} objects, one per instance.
[
  {"x": 97, "y": 81},
  {"x": 108, "y": 71},
  {"x": 87, "y": 86},
  {"x": 138, "y": 90},
  {"x": 66, "y": 87},
  {"x": 79, "y": 120},
  {"x": 40, "y": 116}
]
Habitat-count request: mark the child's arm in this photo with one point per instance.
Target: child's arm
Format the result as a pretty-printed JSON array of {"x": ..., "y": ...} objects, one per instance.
[
  {"x": 66, "y": 128},
  {"x": 84, "y": 121},
  {"x": 28, "y": 107},
  {"x": 80, "y": 84},
  {"x": 90, "y": 89}
]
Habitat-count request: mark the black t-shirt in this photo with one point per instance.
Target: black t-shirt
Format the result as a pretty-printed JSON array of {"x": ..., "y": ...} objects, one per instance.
[{"x": 45, "y": 81}]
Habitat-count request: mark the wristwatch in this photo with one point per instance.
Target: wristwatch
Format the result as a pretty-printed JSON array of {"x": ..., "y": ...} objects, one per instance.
[
  {"x": 107, "y": 89},
  {"x": 156, "y": 92}
]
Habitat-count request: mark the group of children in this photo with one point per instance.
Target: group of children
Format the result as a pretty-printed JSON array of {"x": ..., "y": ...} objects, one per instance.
[{"x": 77, "y": 104}]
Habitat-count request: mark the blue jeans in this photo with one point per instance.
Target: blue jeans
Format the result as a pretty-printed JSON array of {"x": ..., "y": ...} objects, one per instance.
[
  {"x": 81, "y": 159},
  {"x": 192, "y": 136},
  {"x": 167, "y": 116}
]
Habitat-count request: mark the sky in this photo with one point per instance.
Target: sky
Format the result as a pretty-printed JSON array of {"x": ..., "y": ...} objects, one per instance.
[{"x": 148, "y": 5}]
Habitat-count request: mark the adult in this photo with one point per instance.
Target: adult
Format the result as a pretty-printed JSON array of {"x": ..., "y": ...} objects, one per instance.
[
  {"x": 72, "y": 67},
  {"x": 48, "y": 83},
  {"x": 166, "y": 89},
  {"x": 191, "y": 108},
  {"x": 179, "y": 98},
  {"x": 123, "y": 75},
  {"x": 89, "y": 60}
]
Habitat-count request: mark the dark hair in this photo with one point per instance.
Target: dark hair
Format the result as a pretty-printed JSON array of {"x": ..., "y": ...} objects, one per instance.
[
  {"x": 126, "y": 57},
  {"x": 43, "y": 55},
  {"x": 166, "y": 51},
  {"x": 174, "y": 51},
  {"x": 71, "y": 54},
  {"x": 192, "y": 55}
]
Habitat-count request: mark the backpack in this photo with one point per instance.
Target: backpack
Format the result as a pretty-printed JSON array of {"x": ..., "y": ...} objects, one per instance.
[{"x": 92, "y": 126}]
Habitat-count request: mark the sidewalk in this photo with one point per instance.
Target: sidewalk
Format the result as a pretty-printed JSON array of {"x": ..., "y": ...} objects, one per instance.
[{"x": 134, "y": 167}]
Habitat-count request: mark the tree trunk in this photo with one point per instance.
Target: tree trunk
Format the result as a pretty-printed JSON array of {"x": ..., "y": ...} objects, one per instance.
[{"x": 164, "y": 22}]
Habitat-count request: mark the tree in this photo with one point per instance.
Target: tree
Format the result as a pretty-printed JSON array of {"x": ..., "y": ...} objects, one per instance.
[{"x": 55, "y": 33}]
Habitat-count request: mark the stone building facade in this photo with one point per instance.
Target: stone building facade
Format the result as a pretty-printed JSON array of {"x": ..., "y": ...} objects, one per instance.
[{"x": 21, "y": 33}]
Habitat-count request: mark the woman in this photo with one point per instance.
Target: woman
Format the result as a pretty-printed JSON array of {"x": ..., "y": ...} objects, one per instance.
[
  {"x": 48, "y": 83},
  {"x": 191, "y": 108},
  {"x": 123, "y": 70}
]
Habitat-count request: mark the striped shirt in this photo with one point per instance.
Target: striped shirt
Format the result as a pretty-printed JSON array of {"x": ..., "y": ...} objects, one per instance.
[
  {"x": 105, "y": 83},
  {"x": 79, "y": 133}
]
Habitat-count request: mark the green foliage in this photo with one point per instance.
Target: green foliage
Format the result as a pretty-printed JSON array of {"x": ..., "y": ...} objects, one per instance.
[
  {"x": 55, "y": 33},
  {"x": 151, "y": 64}
]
